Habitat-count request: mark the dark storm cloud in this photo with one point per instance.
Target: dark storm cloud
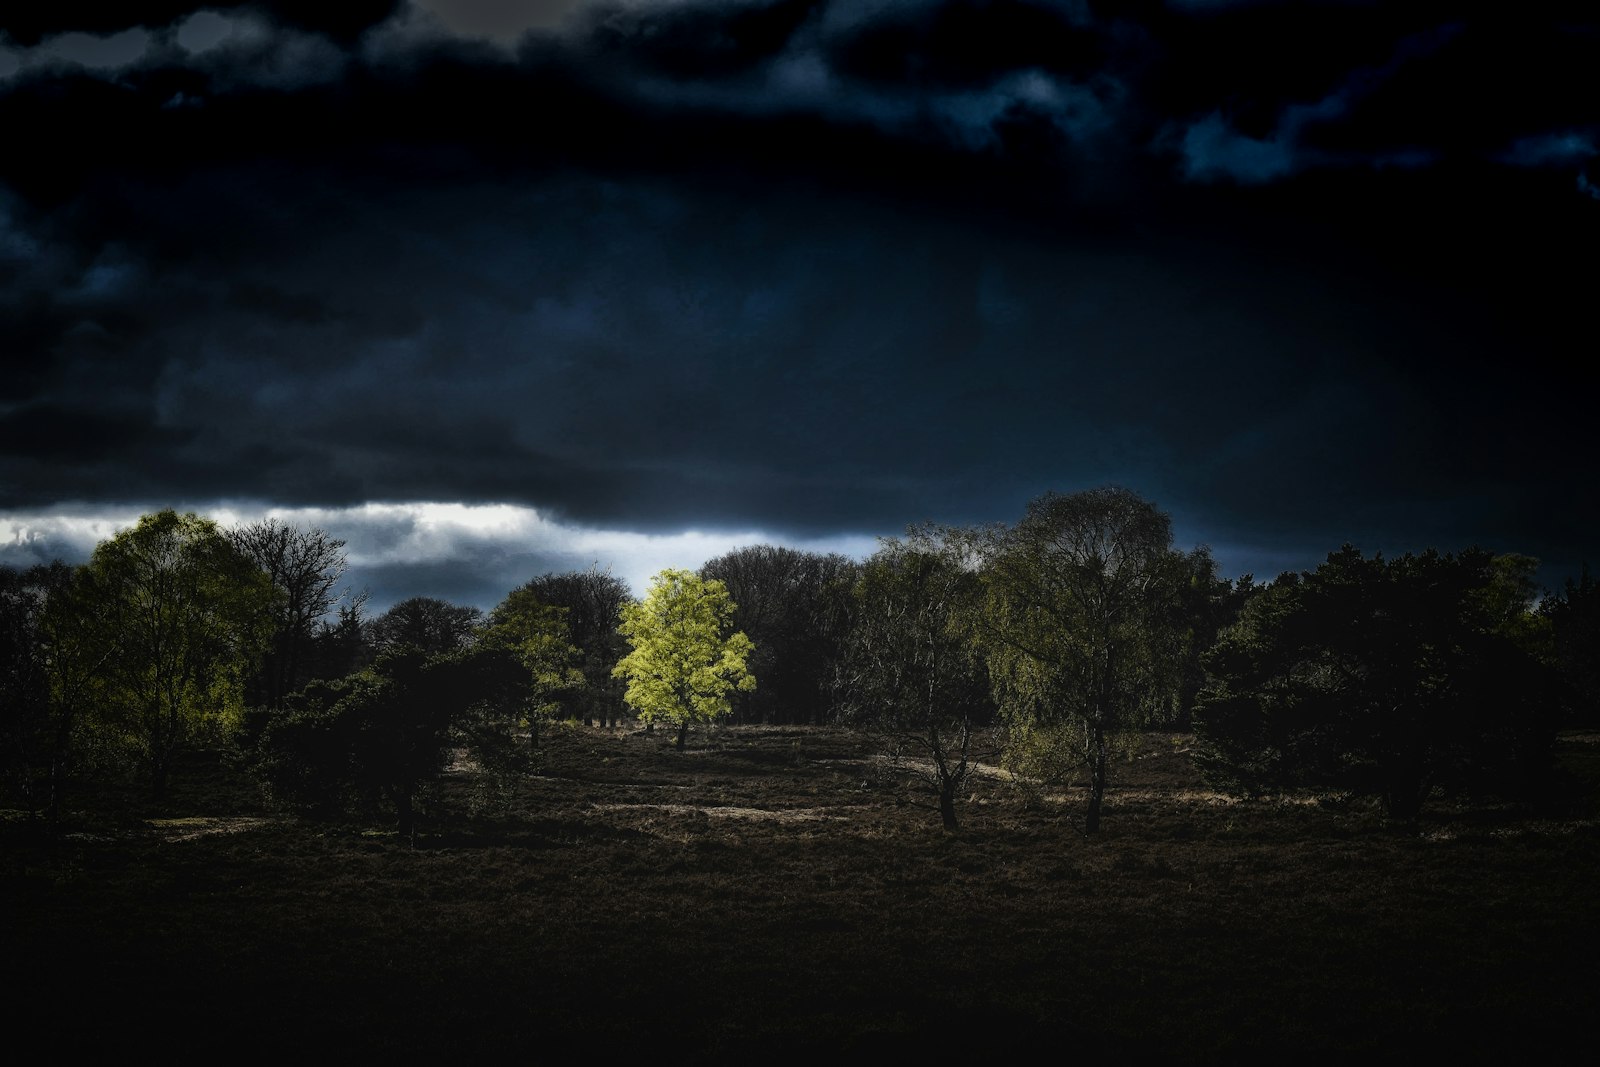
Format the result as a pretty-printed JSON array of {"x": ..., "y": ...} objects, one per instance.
[
  {"x": 1213, "y": 148},
  {"x": 48, "y": 435},
  {"x": 1301, "y": 273},
  {"x": 28, "y": 24}
]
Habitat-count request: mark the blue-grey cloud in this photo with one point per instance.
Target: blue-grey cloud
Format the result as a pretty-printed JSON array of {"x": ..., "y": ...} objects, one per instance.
[
  {"x": 1212, "y": 149},
  {"x": 1553, "y": 149},
  {"x": 806, "y": 268},
  {"x": 468, "y": 554},
  {"x": 502, "y": 21}
]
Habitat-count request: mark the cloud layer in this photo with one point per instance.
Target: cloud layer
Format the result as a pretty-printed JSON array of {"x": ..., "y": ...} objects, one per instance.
[
  {"x": 473, "y": 554},
  {"x": 1301, "y": 273}
]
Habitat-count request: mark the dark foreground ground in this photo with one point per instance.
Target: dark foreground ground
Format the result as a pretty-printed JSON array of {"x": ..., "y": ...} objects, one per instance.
[{"x": 772, "y": 891}]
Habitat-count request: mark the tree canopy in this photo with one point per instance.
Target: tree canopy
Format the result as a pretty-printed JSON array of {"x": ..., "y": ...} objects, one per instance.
[
  {"x": 1393, "y": 677},
  {"x": 789, "y": 603},
  {"x": 1076, "y": 624},
  {"x": 52, "y": 650},
  {"x": 186, "y": 616},
  {"x": 911, "y": 674},
  {"x": 534, "y": 636},
  {"x": 305, "y": 566},
  {"x": 429, "y": 625},
  {"x": 1573, "y": 615},
  {"x": 593, "y": 601},
  {"x": 685, "y": 659},
  {"x": 380, "y": 735}
]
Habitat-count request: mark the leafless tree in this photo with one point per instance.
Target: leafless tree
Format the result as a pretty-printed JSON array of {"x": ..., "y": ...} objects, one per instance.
[{"x": 305, "y": 566}]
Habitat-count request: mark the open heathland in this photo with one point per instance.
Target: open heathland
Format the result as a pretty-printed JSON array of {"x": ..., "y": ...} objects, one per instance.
[{"x": 784, "y": 889}]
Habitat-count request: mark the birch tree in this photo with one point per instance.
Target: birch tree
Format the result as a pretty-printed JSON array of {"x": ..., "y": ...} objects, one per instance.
[
  {"x": 1076, "y": 626},
  {"x": 911, "y": 674}
]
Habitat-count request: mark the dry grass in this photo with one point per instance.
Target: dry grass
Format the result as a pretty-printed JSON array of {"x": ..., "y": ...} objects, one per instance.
[{"x": 777, "y": 890}]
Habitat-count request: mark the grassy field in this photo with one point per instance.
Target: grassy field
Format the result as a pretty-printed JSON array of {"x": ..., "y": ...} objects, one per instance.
[{"x": 773, "y": 890}]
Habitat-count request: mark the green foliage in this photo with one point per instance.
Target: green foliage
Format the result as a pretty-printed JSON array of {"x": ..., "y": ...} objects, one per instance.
[
  {"x": 1573, "y": 620},
  {"x": 184, "y": 617},
  {"x": 1039, "y": 754},
  {"x": 533, "y": 636},
  {"x": 1389, "y": 677},
  {"x": 684, "y": 660},
  {"x": 381, "y": 736},
  {"x": 48, "y": 642},
  {"x": 1078, "y": 622},
  {"x": 1205, "y": 604},
  {"x": 593, "y": 601}
]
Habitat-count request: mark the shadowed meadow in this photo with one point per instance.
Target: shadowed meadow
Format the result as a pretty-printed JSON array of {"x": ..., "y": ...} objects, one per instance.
[{"x": 773, "y": 888}]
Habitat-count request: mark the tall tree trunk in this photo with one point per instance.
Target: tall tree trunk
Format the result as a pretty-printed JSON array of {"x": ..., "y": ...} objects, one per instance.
[
  {"x": 57, "y": 792},
  {"x": 947, "y": 802},
  {"x": 58, "y": 776},
  {"x": 1404, "y": 783},
  {"x": 683, "y": 732},
  {"x": 405, "y": 815},
  {"x": 1097, "y": 778}
]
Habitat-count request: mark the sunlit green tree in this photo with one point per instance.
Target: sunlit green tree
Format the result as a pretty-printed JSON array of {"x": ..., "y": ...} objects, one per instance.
[{"x": 686, "y": 659}]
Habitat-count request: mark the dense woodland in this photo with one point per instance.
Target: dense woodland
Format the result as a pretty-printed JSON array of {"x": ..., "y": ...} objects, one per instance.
[{"x": 1040, "y": 646}]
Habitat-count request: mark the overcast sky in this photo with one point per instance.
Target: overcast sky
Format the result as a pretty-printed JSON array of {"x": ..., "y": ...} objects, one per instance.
[{"x": 492, "y": 288}]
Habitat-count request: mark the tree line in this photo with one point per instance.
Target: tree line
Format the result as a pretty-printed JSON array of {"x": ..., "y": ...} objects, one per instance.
[{"x": 1044, "y": 644}]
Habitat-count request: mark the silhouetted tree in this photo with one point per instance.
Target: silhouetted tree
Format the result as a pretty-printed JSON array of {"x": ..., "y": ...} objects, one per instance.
[
  {"x": 1203, "y": 606},
  {"x": 788, "y": 605},
  {"x": 406, "y": 704},
  {"x": 593, "y": 601},
  {"x": 305, "y": 566},
  {"x": 530, "y": 639},
  {"x": 306, "y": 752},
  {"x": 377, "y": 738},
  {"x": 52, "y": 653},
  {"x": 1390, "y": 677},
  {"x": 1574, "y": 619},
  {"x": 910, "y": 674},
  {"x": 428, "y": 625},
  {"x": 29, "y": 733},
  {"x": 340, "y": 646}
]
